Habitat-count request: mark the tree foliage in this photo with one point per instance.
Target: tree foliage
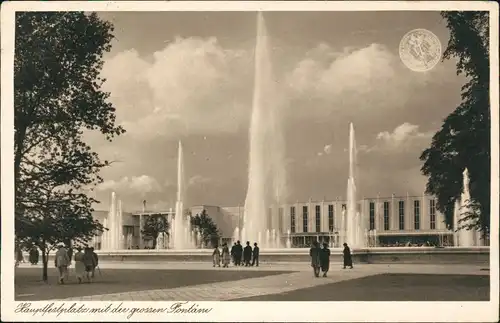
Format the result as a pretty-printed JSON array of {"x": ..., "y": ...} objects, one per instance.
[
  {"x": 153, "y": 226},
  {"x": 206, "y": 226},
  {"x": 464, "y": 138},
  {"x": 57, "y": 99}
]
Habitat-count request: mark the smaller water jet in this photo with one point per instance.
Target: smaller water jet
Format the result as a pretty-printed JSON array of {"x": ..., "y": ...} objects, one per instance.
[
  {"x": 181, "y": 227},
  {"x": 112, "y": 239},
  {"x": 464, "y": 237}
]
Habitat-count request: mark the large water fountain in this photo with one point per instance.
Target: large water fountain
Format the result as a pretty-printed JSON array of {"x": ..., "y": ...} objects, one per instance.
[
  {"x": 266, "y": 173},
  {"x": 266, "y": 190}
]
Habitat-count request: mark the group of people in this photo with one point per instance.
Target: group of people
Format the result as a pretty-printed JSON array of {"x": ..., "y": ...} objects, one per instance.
[
  {"x": 34, "y": 256},
  {"x": 320, "y": 258},
  {"x": 86, "y": 262},
  {"x": 250, "y": 256}
]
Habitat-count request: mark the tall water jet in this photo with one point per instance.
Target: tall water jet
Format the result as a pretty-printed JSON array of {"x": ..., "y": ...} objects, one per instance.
[
  {"x": 181, "y": 236},
  {"x": 119, "y": 226},
  {"x": 350, "y": 224},
  {"x": 266, "y": 171}
]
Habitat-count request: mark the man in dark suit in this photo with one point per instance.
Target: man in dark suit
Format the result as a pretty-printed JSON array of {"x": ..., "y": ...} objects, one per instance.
[{"x": 255, "y": 260}]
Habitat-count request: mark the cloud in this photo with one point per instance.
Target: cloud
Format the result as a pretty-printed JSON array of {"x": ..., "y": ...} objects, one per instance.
[
  {"x": 370, "y": 80},
  {"x": 196, "y": 88},
  {"x": 192, "y": 85},
  {"x": 405, "y": 135},
  {"x": 139, "y": 184},
  {"x": 398, "y": 149}
]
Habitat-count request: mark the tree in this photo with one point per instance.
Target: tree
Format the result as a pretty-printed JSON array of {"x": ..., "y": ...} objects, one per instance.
[
  {"x": 57, "y": 100},
  {"x": 464, "y": 138},
  {"x": 154, "y": 225},
  {"x": 206, "y": 226}
]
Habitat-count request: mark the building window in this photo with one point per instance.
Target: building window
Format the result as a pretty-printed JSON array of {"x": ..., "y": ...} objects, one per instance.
[
  {"x": 280, "y": 219},
  {"x": 331, "y": 220},
  {"x": 372, "y": 216},
  {"x": 292, "y": 219},
  {"x": 416, "y": 211},
  {"x": 269, "y": 218},
  {"x": 318, "y": 218},
  {"x": 305, "y": 216},
  {"x": 401, "y": 215},
  {"x": 386, "y": 216},
  {"x": 432, "y": 213}
]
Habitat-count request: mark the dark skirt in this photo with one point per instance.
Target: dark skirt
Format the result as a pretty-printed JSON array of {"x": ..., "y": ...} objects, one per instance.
[
  {"x": 34, "y": 257},
  {"x": 347, "y": 261}
]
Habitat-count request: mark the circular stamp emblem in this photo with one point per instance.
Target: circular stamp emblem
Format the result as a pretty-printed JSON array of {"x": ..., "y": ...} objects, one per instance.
[{"x": 420, "y": 50}]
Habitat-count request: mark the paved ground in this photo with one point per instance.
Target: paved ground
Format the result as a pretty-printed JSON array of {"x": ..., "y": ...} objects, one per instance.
[
  {"x": 392, "y": 287},
  {"x": 28, "y": 284},
  {"x": 272, "y": 282}
]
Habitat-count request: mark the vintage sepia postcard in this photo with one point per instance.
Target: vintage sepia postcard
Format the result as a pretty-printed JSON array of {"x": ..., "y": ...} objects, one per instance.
[{"x": 237, "y": 161}]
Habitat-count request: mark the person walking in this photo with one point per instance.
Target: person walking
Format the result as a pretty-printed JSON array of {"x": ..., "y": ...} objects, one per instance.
[
  {"x": 314, "y": 252},
  {"x": 70, "y": 254},
  {"x": 89, "y": 262},
  {"x": 233, "y": 253},
  {"x": 34, "y": 255},
  {"x": 216, "y": 256},
  {"x": 61, "y": 261},
  {"x": 325, "y": 259},
  {"x": 347, "y": 256},
  {"x": 255, "y": 258},
  {"x": 226, "y": 257},
  {"x": 247, "y": 254},
  {"x": 79, "y": 265},
  {"x": 19, "y": 255},
  {"x": 238, "y": 252}
]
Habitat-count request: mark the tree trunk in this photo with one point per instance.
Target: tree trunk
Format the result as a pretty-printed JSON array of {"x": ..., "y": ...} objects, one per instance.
[{"x": 45, "y": 260}]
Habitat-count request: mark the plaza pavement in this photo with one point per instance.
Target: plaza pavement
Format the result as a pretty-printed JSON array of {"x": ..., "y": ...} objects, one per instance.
[{"x": 296, "y": 276}]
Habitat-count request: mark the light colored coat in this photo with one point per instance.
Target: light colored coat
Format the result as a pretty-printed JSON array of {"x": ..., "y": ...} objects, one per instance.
[
  {"x": 226, "y": 257},
  {"x": 79, "y": 265},
  {"x": 216, "y": 257},
  {"x": 62, "y": 258}
]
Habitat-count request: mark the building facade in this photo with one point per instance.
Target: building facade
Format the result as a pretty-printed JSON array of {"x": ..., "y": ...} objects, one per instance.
[{"x": 391, "y": 221}]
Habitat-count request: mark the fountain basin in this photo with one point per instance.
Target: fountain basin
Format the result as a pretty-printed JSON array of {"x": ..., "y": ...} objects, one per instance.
[{"x": 378, "y": 255}]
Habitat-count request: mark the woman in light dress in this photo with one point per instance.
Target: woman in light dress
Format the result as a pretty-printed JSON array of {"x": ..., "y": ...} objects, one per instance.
[
  {"x": 226, "y": 256},
  {"x": 216, "y": 256},
  {"x": 79, "y": 265}
]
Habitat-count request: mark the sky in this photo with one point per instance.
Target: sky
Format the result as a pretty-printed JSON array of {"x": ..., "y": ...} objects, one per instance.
[{"x": 189, "y": 76}]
